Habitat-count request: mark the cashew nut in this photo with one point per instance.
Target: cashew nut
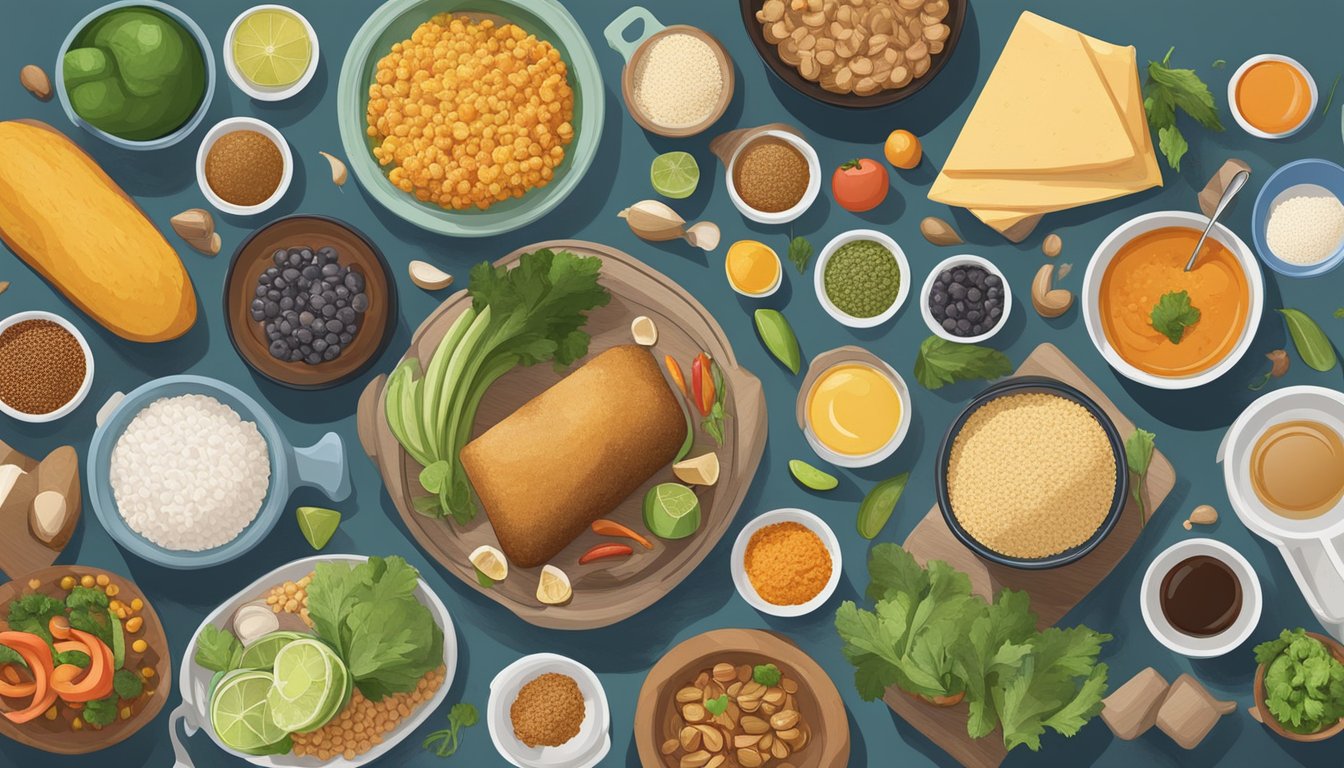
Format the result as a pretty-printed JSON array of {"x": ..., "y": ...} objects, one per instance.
[{"x": 1048, "y": 300}]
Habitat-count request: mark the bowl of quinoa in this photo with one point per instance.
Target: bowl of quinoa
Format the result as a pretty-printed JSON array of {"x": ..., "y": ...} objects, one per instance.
[
  {"x": 1032, "y": 474},
  {"x": 549, "y": 711},
  {"x": 786, "y": 563},
  {"x": 46, "y": 367},
  {"x": 862, "y": 278}
]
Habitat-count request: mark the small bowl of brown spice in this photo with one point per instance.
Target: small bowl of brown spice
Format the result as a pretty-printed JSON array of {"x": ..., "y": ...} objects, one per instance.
[
  {"x": 773, "y": 176},
  {"x": 549, "y": 711},
  {"x": 244, "y": 166},
  {"x": 46, "y": 367}
]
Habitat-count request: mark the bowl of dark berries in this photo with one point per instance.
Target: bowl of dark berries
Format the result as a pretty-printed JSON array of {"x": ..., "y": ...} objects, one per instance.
[
  {"x": 309, "y": 301},
  {"x": 966, "y": 299}
]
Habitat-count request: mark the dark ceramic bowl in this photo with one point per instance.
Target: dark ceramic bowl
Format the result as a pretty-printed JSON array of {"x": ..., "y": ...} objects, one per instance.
[
  {"x": 1025, "y": 385},
  {"x": 254, "y": 257},
  {"x": 955, "y": 19}
]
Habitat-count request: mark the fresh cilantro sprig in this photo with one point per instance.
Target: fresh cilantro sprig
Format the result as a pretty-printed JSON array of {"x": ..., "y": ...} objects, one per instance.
[
  {"x": 717, "y": 705},
  {"x": 943, "y": 362},
  {"x": 1138, "y": 455},
  {"x": 1172, "y": 314},
  {"x": 445, "y": 742},
  {"x": 800, "y": 252},
  {"x": 218, "y": 650},
  {"x": 1167, "y": 90}
]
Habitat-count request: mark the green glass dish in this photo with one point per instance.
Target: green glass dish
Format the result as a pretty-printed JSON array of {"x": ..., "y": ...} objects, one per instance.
[{"x": 393, "y": 22}]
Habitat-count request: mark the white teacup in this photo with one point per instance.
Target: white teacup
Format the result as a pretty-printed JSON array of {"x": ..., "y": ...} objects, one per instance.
[{"x": 1314, "y": 548}]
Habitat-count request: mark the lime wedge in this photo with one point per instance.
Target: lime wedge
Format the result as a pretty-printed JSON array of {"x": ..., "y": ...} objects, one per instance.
[
  {"x": 674, "y": 174},
  {"x": 671, "y": 511},
  {"x": 811, "y": 477},
  {"x": 261, "y": 653},
  {"x": 306, "y": 679},
  {"x": 271, "y": 48},
  {"x": 240, "y": 712},
  {"x": 318, "y": 525}
]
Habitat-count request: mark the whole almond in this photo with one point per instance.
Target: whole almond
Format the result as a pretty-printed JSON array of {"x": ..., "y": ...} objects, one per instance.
[
  {"x": 1052, "y": 245},
  {"x": 34, "y": 79},
  {"x": 939, "y": 232}
]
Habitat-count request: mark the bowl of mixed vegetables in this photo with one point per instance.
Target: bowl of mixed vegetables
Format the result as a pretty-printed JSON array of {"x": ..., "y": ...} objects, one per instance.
[
  {"x": 84, "y": 662},
  {"x": 330, "y": 660}
]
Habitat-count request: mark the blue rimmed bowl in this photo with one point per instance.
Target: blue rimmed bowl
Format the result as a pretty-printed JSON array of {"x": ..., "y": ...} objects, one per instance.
[
  {"x": 320, "y": 466},
  {"x": 394, "y": 22},
  {"x": 1303, "y": 177},
  {"x": 207, "y": 53}
]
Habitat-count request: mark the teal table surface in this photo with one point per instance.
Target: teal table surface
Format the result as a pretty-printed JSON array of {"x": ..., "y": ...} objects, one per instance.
[{"x": 1189, "y": 425}]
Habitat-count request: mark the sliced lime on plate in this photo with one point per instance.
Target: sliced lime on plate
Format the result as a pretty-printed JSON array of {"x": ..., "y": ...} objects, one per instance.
[
  {"x": 308, "y": 675},
  {"x": 318, "y": 525},
  {"x": 811, "y": 477},
  {"x": 671, "y": 511},
  {"x": 240, "y": 711},
  {"x": 261, "y": 653},
  {"x": 271, "y": 48},
  {"x": 675, "y": 175}
]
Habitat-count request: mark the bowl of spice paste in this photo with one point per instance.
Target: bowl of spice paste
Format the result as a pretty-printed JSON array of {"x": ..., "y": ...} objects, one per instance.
[
  {"x": 244, "y": 166},
  {"x": 862, "y": 278},
  {"x": 46, "y": 367},
  {"x": 1200, "y": 598}
]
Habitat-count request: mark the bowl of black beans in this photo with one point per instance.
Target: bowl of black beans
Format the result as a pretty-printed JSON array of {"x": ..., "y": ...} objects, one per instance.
[
  {"x": 966, "y": 299},
  {"x": 309, "y": 302}
]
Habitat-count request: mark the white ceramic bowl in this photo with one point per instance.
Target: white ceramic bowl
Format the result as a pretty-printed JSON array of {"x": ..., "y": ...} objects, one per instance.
[
  {"x": 80, "y": 394},
  {"x": 819, "y": 277},
  {"x": 964, "y": 260},
  {"x": 902, "y": 427},
  {"x": 744, "y": 586},
  {"x": 809, "y": 195},
  {"x": 1105, "y": 253},
  {"x": 262, "y": 93},
  {"x": 1150, "y": 600},
  {"x": 585, "y": 750},
  {"x": 244, "y": 124},
  {"x": 1236, "y": 109}
]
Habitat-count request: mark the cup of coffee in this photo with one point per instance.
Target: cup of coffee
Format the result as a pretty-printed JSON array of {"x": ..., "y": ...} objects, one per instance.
[{"x": 1283, "y": 463}]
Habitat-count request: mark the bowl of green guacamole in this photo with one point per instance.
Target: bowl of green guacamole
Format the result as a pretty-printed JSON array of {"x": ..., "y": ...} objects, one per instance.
[
  {"x": 138, "y": 74},
  {"x": 862, "y": 278}
]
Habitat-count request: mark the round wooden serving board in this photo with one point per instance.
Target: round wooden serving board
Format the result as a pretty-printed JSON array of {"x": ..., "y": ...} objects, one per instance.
[
  {"x": 819, "y": 702},
  {"x": 604, "y": 592},
  {"x": 56, "y": 736}
]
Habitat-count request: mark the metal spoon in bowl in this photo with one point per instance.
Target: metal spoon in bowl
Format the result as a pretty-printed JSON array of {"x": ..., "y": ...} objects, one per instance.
[{"x": 1233, "y": 187}]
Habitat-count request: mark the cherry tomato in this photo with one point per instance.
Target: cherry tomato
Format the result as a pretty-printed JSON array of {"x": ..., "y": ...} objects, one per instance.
[{"x": 859, "y": 185}]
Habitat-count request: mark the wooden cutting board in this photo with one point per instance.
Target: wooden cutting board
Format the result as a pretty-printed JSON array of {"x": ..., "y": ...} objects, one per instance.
[
  {"x": 606, "y": 591},
  {"x": 21, "y": 552},
  {"x": 1053, "y": 592}
]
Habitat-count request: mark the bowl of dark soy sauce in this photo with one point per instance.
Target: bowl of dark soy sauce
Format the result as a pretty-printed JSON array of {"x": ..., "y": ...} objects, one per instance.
[{"x": 1201, "y": 598}]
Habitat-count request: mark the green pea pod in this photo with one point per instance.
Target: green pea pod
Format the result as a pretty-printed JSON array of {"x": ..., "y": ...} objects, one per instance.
[
  {"x": 779, "y": 338},
  {"x": 877, "y": 506},
  {"x": 1311, "y": 342}
]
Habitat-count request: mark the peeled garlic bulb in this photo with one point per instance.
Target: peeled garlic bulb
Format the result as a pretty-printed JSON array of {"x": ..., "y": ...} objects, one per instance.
[
  {"x": 428, "y": 276},
  {"x": 338, "y": 171}
]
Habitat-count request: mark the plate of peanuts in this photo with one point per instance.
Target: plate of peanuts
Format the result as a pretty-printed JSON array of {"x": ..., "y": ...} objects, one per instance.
[
  {"x": 855, "y": 53},
  {"x": 740, "y": 698},
  {"x": 85, "y": 661}
]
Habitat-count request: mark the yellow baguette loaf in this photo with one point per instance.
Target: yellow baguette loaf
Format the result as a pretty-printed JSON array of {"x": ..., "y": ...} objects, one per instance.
[{"x": 63, "y": 215}]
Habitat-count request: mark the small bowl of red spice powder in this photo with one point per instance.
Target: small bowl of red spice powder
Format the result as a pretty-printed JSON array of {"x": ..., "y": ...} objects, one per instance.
[
  {"x": 46, "y": 367},
  {"x": 549, "y": 711},
  {"x": 786, "y": 563},
  {"x": 244, "y": 166}
]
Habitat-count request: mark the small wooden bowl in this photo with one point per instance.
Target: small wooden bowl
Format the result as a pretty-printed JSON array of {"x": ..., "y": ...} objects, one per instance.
[
  {"x": 56, "y": 736},
  {"x": 633, "y": 52},
  {"x": 254, "y": 257},
  {"x": 818, "y": 701},
  {"x": 1265, "y": 717}
]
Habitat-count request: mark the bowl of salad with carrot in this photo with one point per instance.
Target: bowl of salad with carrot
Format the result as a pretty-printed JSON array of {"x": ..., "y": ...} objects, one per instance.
[{"x": 84, "y": 662}]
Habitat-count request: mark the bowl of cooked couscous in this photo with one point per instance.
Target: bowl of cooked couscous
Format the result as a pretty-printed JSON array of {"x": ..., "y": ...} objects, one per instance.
[
  {"x": 1032, "y": 474},
  {"x": 470, "y": 117}
]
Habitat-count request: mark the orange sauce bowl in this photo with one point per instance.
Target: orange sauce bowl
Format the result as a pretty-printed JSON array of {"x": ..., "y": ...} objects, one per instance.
[
  {"x": 1272, "y": 96},
  {"x": 1144, "y": 259}
]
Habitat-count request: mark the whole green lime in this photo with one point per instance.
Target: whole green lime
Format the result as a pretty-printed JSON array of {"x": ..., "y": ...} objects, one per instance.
[{"x": 671, "y": 511}]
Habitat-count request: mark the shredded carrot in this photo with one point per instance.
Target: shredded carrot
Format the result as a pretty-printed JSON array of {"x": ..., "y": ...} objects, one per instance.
[{"x": 605, "y": 527}]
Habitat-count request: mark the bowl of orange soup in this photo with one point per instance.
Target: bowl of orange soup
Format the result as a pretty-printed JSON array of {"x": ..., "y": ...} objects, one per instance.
[
  {"x": 1272, "y": 96},
  {"x": 853, "y": 408},
  {"x": 1164, "y": 327}
]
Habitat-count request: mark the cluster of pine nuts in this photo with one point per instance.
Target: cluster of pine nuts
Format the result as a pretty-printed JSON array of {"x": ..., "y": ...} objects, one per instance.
[{"x": 857, "y": 46}]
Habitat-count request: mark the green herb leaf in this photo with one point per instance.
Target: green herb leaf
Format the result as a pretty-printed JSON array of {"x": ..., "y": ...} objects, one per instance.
[
  {"x": 1331, "y": 100},
  {"x": 1304, "y": 683},
  {"x": 446, "y": 741},
  {"x": 85, "y": 597},
  {"x": 800, "y": 253},
  {"x": 766, "y": 674},
  {"x": 1311, "y": 342},
  {"x": 1168, "y": 89},
  {"x": 10, "y": 656},
  {"x": 463, "y": 714},
  {"x": 1172, "y": 314},
  {"x": 128, "y": 684},
  {"x": 78, "y": 658},
  {"x": 31, "y": 614},
  {"x": 718, "y": 705},
  {"x": 1139, "y": 448},
  {"x": 1219, "y": 64},
  {"x": 94, "y": 620},
  {"x": 943, "y": 362},
  {"x": 218, "y": 650},
  {"x": 100, "y": 712}
]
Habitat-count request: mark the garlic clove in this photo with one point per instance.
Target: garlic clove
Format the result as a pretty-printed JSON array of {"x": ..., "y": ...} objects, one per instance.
[
  {"x": 644, "y": 331},
  {"x": 704, "y": 235},
  {"x": 654, "y": 221},
  {"x": 253, "y": 621},
  {"x": 428, "y": 276},
  {"x": 339, "y": 173}
]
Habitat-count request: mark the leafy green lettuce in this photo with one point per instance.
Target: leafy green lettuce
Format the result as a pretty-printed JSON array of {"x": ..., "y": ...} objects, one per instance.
[{"x": 928, "y": 635}]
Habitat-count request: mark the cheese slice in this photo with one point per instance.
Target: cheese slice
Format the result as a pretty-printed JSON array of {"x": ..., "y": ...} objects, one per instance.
[{"x": 1045, "y": 107}]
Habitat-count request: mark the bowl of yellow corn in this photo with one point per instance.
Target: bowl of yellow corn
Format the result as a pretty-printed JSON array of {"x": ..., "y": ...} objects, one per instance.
[{"x": 470, "y": 117}]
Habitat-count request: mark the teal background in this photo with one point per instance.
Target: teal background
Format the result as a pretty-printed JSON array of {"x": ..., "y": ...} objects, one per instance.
[{"x": 1189, "y": 425}]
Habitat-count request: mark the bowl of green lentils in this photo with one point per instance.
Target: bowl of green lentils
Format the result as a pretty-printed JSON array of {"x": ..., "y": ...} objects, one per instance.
[{"x": 862, "y": 278}]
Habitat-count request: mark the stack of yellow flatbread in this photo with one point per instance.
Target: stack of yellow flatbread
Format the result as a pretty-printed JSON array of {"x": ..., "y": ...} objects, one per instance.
[{"x": 1059, "y": 124}]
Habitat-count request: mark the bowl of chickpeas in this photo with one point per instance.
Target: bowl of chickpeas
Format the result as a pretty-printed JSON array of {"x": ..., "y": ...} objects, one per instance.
[{"x": 470, "y": 118}]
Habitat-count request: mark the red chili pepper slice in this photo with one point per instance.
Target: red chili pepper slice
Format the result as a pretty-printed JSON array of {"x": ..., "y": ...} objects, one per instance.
[
  {"x": 703, "y": 379},
  {"x": 604, "y": 551},
  {"x": 605, "y": 527}
]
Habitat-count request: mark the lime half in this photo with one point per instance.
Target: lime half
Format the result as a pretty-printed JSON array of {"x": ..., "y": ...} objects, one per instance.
[
  {"x": 261, "y": 653},
  {"x": 675, "y": 175},
  {"x": 671, "y": 511},
  {"x": 811, "y": 477},
  {"x": 240, "y": 712},
  {"x": 271, "y": 48},
  {"x": 318, "y": 525},
  {"x": 308, "y": 675}
]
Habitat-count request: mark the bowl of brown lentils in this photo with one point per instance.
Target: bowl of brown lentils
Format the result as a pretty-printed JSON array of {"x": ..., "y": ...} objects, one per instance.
[{"x": 46, "y": 367}]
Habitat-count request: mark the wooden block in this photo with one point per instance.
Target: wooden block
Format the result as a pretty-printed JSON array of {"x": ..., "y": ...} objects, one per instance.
[
  {"x": 1213, "y": 191},
  {"x": 1189, "y": 712},
  {"x": 1132, "y": 709}
]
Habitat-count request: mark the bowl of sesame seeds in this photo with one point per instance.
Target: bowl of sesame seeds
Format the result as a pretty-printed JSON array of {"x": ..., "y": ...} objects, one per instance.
[{"x": 46, "y": 367}]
